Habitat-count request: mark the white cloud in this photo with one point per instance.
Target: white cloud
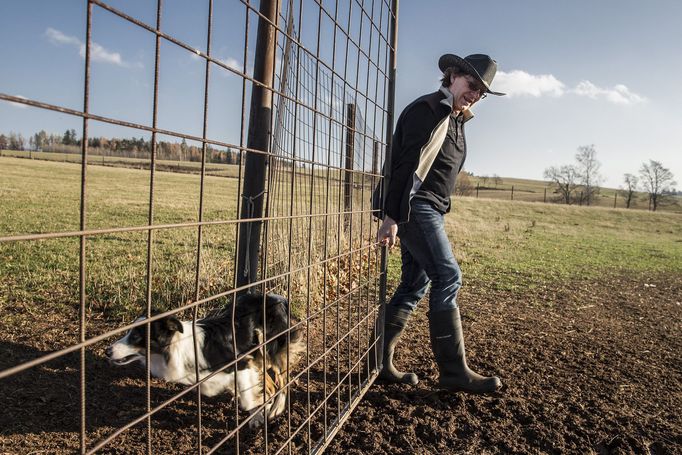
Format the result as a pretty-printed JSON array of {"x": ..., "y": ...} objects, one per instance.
[
  {"x": 57, "y": 37},
  {"x": 100, "y": 54},
  {"x": 97, "y": 52},
  {"x": 231, "y": 63},
  {"x": 19, "y": 105},
  {"x": 519, "y": 83},
  {"x": 619, "y": 94}
]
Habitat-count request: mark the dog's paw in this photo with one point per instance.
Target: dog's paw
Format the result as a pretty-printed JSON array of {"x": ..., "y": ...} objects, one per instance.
[{"x": 257, "y": 419}]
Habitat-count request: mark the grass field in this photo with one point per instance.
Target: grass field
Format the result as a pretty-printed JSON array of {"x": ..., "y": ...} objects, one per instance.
[
  {"x": 539, "y": 191},
  {"x": 523, "y": 244},
  {"x": 523, "y": 189},
  {"x": 511, "y": 243},
  {"x": 217, "y": 169},
  {"x": 43, "y": 196}
]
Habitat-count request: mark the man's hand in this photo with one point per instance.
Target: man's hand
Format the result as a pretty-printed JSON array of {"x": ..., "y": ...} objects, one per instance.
[{"x": 387, "y": 232}]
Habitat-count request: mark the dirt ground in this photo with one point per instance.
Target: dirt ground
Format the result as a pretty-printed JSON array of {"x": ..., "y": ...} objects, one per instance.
[
  {"x": 587, "y": 367},
  {"x": 591, "y": 367}
]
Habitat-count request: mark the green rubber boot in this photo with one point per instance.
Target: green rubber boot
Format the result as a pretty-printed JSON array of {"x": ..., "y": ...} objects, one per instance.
[
  {"x": 395, "y": 323},
  {"x": 447, "y": 343}
]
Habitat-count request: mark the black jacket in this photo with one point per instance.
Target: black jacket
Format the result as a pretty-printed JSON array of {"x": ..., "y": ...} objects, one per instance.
[{"x": 417, "y": 139}]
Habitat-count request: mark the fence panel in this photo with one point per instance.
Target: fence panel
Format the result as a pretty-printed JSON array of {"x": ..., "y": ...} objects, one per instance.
[{"x": 139, "y": 208}]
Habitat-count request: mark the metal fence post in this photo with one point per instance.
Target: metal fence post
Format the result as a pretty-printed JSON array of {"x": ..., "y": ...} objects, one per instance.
[
  {"x": 258, "y": 139},
  {"x": 375, "y": 158},
  {"x": 387, "y": 160},
  {"x": 350, "y": 154}
]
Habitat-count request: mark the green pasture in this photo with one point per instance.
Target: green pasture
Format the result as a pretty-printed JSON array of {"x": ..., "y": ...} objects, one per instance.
[
  {"x": 534, "y": 191},
  {"x": 523, "y": 189},
  {"x": 42, "y": 196},
  {"x": 39, "y": 196},
  {"x": 217, "y": 169},
  {"x": 516, "y": 245},
  {"x": 509, "y": 244}
]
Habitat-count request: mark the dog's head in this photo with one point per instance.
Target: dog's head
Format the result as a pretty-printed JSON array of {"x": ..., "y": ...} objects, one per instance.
[{"x": 133, "y": 345}]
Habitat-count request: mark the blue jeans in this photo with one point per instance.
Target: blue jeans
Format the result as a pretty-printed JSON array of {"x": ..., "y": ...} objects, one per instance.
[{"x": 426, "y": 257}]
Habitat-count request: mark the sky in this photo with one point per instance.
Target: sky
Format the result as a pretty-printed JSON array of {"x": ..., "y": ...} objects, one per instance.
[
  {"x": 576, "y": 73},
  {"x": 603, "y": 73}
]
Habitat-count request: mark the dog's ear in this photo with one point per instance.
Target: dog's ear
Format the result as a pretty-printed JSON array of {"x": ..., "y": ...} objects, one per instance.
[
  {"x": 173, "y": 324},
  {"x": 276, "y": 298}
]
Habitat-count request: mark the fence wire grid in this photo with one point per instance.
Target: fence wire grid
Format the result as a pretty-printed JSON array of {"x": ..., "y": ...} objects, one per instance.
[{"x": 170, "y": 225}]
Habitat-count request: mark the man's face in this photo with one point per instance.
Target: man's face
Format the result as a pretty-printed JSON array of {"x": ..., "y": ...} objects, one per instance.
[{"x": 466, "y": 90}]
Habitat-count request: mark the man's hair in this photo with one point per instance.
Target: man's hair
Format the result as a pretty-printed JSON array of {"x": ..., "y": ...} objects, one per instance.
[{"x": 451, "y": 71}]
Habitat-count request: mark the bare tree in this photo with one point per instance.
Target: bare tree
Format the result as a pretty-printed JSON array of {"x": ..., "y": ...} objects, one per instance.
[
  {"x": 40, "y": 140},
  {"x": 588, "y": 172},
  {"x": 485, "y": 179},
  {"x": 497, "y": 180},
  {"x": 463, "y": 185},
  {"x": 565, "y": 178},
  {"x": 630, "y": 188},
  {"x": 16, "y": 141},
  {"x": 657, "y": 181}
]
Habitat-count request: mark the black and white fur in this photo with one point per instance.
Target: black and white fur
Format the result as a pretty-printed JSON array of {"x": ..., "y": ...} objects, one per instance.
[{"x": 172, "y": 352}]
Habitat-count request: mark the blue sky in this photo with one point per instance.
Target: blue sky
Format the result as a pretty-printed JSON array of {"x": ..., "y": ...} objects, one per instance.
[{"x": 577, "y": 73}]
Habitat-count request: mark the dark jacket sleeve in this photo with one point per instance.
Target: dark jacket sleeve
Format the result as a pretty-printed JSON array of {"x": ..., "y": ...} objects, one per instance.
[{"x": 412, "y": 132}]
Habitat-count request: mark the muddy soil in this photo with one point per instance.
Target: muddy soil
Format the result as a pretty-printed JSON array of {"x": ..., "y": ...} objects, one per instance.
[{"x": 587, "y": 367}]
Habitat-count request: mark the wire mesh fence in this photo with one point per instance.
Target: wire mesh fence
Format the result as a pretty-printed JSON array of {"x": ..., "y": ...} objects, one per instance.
[{"x": 142, "y": 235}]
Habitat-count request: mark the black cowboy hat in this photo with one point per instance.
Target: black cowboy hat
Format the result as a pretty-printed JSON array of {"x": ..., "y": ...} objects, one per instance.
[{"x": 481, "y": 66}]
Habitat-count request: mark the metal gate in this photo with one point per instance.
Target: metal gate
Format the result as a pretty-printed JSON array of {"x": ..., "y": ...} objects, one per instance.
[{"x": 215, "y": 199}]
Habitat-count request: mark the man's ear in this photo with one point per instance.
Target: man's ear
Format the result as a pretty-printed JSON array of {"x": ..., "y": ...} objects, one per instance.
[{"x": 174, "y": 325}]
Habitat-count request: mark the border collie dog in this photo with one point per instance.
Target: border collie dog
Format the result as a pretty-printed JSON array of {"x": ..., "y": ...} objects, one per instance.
[{"x": 260, "y": 374}]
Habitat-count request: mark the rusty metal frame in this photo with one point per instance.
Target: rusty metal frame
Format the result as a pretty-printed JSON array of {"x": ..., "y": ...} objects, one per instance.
[{"x": 370, "y": 282}]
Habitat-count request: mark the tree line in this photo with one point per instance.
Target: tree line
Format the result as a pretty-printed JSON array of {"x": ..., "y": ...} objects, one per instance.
[
  {"x": 118, "y": 147},
  {"x": 579, "y": 182}
]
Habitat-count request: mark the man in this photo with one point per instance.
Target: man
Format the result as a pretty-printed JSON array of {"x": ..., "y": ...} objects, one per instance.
[{"x": 428, "y": 152}]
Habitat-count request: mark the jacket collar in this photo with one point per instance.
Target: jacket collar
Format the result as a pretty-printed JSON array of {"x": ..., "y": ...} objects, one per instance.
[{"x": 449, "y": 99}]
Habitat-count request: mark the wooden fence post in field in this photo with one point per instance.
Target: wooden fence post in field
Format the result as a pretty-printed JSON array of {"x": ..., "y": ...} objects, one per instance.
[
  {"x": 375, "y": 161},
  {"x": 477, "y": 185},
  {"x": 615, "y": 198},
  {"x": 544, "y": 198},
  {"x": 350, "y": 152},
  {"x": 512, "y": 193},
  {"x": 375, "y": 158},
  {"x": 258, "y": 139}
]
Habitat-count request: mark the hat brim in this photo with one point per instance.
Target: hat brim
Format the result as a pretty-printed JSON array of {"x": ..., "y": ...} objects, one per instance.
[{"x": 449, "y": 60}]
